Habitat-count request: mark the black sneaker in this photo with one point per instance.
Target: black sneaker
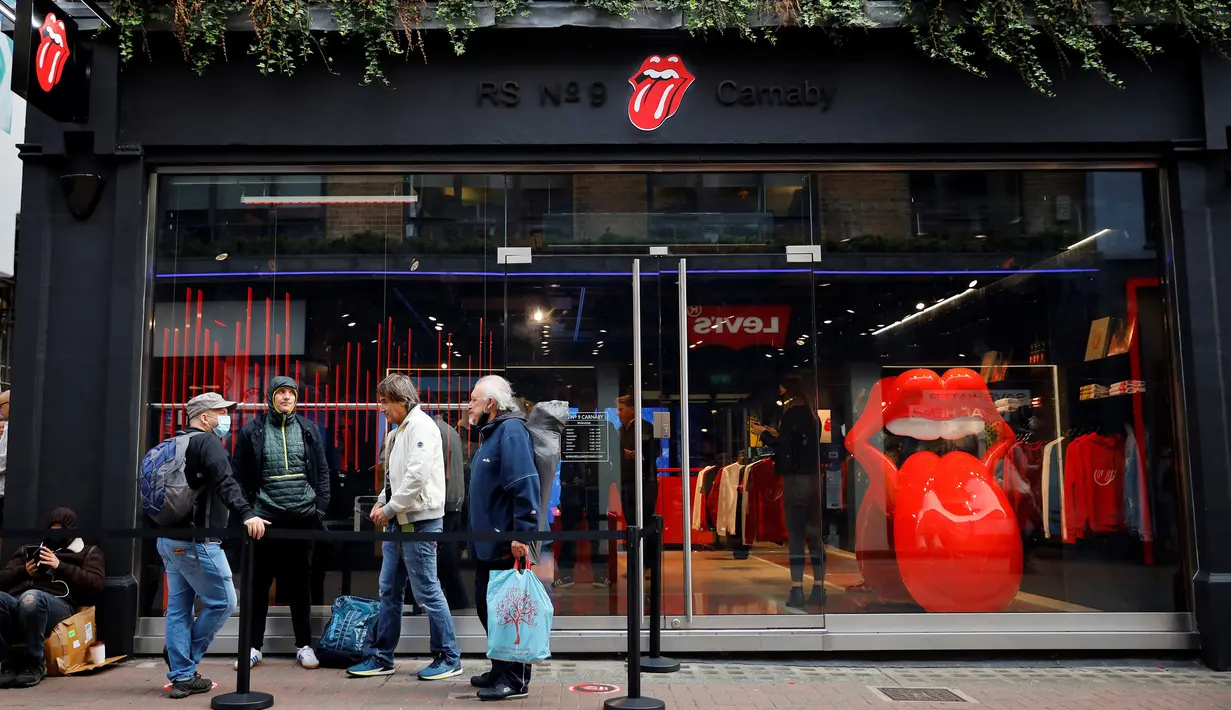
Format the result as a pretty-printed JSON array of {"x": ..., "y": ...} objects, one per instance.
[
  {"x": 796, "y": 600},
  {"x": 483, "y": 680},
  {"x": 193, "y": 686},
  {"x": 817, "y": 598},
  {"x": 8, "y": 676},
  {"x": 503, "y": 691},
  {"x": 31, "y": 676}
]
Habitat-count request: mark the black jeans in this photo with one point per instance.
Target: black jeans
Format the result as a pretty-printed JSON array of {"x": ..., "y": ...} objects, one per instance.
[
  {"x": 516, "y": 675},
  {"x": 801, "y": 501},
  {"x": 449, "y": 563},
  {"x": 290, "y": 562},
  {"x": 579, "y": 510},
  {"x": 29, "y": 619},
  {"x": 649, "y": 501}
]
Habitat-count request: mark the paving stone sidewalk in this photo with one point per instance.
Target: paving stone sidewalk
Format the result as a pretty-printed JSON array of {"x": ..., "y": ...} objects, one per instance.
[{"x": 700, "y": 685}]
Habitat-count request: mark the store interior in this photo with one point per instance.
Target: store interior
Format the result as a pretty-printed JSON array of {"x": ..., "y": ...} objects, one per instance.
[{"x": 1045, "y": 286}]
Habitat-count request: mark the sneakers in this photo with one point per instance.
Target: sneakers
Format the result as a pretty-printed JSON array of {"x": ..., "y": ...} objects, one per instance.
[
  {"x": 306, "y": 657},
  {"x": 193, "y": 686},
  {"x": 503, "y": 691},
  {"x": 370, "y": 668},
  {"x": 602, "y": 583},
  {"x": 483, "y": 680},
  {"x": 563, "y": 583},
  {"x": 441, "y": 668},
  {"x": 254, "y": 659},
  {"x": 8, "y": 676},
  {"x": 30, "y": 676}
]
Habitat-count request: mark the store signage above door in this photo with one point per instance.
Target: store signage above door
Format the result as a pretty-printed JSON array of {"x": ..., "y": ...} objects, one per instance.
[
  {"x": 658, "y": 90},
  {"x": 51, "y": 67},
  {"x": 737, "y": 327}
]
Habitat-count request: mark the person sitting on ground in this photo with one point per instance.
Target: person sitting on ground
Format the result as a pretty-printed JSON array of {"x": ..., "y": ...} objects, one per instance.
[{"x": 40, "y": 591}]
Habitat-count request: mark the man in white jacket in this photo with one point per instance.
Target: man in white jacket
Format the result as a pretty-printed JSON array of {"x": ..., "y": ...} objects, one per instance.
[{"x": 413, "y": 501}]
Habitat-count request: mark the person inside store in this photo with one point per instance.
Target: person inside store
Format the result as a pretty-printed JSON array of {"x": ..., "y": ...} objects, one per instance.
[
  {"x": 413, "y": 500},
  {"x": 196, "y": 566},
  {"x": 504, "y": 497},
  {"x": 450, "y": 553},
  {"x": 42, "y": 585},
  {"x": 280, "y": 461},
  {"x": 630, "y": 470},
  {"x": 795, "y": 442}
]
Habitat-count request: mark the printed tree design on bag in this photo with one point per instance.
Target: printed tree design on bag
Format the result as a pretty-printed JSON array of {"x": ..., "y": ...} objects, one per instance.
[{"x": 517, "y": 608}]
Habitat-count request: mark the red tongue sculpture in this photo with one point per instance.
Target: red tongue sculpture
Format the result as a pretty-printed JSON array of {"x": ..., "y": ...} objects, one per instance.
[{"x": 940, "y": 531}]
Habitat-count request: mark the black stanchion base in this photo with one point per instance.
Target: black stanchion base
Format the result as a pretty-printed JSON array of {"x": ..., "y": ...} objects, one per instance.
[
  {"x": 661, "y": 664},
  {"x": 642, "y": 703},
  {"x": 242, "y": 701}
]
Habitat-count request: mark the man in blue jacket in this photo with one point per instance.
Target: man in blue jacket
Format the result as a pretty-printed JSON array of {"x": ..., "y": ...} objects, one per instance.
[{"x": 504, "y": 497}]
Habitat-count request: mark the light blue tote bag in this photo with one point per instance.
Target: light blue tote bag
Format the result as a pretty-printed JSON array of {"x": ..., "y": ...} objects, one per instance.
[{"x": 519, "y": 614}]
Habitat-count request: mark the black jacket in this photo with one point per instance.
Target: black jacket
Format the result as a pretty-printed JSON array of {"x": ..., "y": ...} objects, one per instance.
[
  {"x": 250, "y": 458},
  {"x": 207, "y": 464},
  {"x": 795, "y": 447}
]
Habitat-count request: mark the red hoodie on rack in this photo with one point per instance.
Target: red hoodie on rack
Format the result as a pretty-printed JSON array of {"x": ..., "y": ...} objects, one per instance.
[{"x": 1094, "y": 485}]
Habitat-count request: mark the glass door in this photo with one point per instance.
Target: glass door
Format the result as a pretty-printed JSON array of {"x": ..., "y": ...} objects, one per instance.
[
  {"x": 744, "y": 492},
  {"x": 581, "y": 330}
]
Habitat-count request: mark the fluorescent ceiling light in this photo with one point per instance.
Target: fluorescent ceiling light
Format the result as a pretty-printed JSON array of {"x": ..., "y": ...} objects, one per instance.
[
  {"x": 1092, "y": 237},
  {"x": 921, "y": 311},
  {"x": 328, "y": 200}
]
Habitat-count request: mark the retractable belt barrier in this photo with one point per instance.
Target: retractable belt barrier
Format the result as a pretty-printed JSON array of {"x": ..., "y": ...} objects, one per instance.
[{"x": 244, "y": 698}]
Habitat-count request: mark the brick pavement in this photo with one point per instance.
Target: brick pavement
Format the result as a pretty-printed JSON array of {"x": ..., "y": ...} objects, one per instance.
[{"x": 701, "y": 685}]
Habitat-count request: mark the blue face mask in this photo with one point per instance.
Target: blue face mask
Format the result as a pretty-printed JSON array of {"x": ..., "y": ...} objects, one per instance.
[{"x": 224, "y": 426}]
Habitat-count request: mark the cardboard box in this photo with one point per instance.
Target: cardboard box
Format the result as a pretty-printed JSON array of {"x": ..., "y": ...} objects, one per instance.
[{"x": 67, "y": 649}]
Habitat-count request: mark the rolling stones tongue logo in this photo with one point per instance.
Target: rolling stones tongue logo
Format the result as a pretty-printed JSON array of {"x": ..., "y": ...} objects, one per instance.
[
  {"x": 52, "y": 51},
  {"x": 658, "y": 89}
]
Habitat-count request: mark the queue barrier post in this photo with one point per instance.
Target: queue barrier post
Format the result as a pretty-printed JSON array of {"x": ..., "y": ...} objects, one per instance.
[
  {"x": 244, "y": 698},
  {"x": 656, "y": 662},
  {"x": 634, "y": 700}
]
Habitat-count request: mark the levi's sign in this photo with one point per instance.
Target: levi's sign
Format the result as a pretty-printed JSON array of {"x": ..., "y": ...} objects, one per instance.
[{"x": 738, "y": 327}]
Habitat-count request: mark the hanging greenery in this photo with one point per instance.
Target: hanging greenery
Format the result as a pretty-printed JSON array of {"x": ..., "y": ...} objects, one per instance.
[{"x": 965, "y": 33}]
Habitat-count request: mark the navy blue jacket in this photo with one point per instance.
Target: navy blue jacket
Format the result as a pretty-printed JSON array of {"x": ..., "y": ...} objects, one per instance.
[{"x": 504, "y": 485}]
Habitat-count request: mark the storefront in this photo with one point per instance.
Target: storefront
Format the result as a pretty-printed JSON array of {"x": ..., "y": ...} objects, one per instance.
[{"x": 735, "y": 227}]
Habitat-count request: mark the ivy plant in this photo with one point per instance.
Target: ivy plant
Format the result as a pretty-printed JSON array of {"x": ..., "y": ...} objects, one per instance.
[{"x": 968, "y": 34}]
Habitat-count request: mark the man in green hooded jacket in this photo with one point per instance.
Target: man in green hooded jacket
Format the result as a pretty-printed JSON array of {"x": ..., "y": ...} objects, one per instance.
[{"x": 280, "y": 461}]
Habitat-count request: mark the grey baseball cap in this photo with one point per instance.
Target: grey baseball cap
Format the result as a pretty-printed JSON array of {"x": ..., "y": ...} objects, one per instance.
[{"x": 202, "y": 403}]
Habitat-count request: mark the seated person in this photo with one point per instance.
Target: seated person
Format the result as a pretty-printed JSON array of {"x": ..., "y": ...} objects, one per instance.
[{"x": 41, "y": 590}]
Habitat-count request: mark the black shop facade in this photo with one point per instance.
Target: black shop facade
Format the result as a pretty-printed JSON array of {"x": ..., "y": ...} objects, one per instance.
[{"x": 998, "y": 307}]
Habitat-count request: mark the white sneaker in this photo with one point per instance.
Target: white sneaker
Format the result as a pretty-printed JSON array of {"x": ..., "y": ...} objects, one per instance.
[
  {"x": 306, "y": 657},
  {"x": 254, "y": 659}
]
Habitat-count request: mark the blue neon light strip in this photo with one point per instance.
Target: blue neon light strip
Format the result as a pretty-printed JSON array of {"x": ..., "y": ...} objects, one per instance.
[{"x": 545, "y": 274}]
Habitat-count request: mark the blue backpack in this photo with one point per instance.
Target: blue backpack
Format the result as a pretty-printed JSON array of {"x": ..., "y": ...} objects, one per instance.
[
  {"x": 349, "y": 633},
  {"x": 165, "y": 494}
]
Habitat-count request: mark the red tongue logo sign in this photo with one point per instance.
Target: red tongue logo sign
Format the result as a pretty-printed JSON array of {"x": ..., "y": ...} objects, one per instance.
[
  {"x": 658, "y": 89},
  {"x": 53, "y": 51}
]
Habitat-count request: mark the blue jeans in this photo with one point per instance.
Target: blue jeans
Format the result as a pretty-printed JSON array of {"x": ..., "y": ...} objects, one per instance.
[
  {"x": 414, "y": 562},
  {"x": 194, "y": 570},
  {"x": 29, "y": 618}
]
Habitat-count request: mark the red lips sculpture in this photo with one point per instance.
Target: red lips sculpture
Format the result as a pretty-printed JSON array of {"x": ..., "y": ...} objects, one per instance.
[{"x": 939, "y": 530}]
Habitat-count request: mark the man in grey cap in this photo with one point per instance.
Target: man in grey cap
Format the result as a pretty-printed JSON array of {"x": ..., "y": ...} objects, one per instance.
[{"x": 196, "y": 565}]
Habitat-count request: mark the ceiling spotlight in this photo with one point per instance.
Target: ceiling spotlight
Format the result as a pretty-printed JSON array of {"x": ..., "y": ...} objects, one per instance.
[
  {"x": 444, "y": 365},
  {"x": 974, "y": 283},
  {"x": 704, "y": 430},
  {"x": 769, "y": 355},
  {"x": 602, "y": 331},
  {"x": 346, "y": 315},
  {"x": 980, "y": 236},
  {"x": 351, "y": 324},
  {"x": 919, "y": 306},
  {"x": 850, "y": 311},
  {"x": 432, "y": 318},
  {"x": 538, "y": 316},
  {"x": 373, "y": 342},
  {"x": 799, "y": 342},
  {"x": 440, "y": 327},
  {"x": 778, "y": 402},
  {"x": 828, "y": 322},
  {"x": 221, "y": 257}
]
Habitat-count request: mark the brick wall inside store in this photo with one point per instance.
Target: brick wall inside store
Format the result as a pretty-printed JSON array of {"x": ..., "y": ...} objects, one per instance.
[
  {"x": 341, "y": 221},
  {"x": 864, "y": 204},
  {"x": 612, "y": 203},
  {"x": 1040, "y": 190}
]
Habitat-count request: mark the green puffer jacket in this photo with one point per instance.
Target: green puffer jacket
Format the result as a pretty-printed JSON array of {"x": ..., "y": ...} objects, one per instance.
[{"x": 280, "y": 459}]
